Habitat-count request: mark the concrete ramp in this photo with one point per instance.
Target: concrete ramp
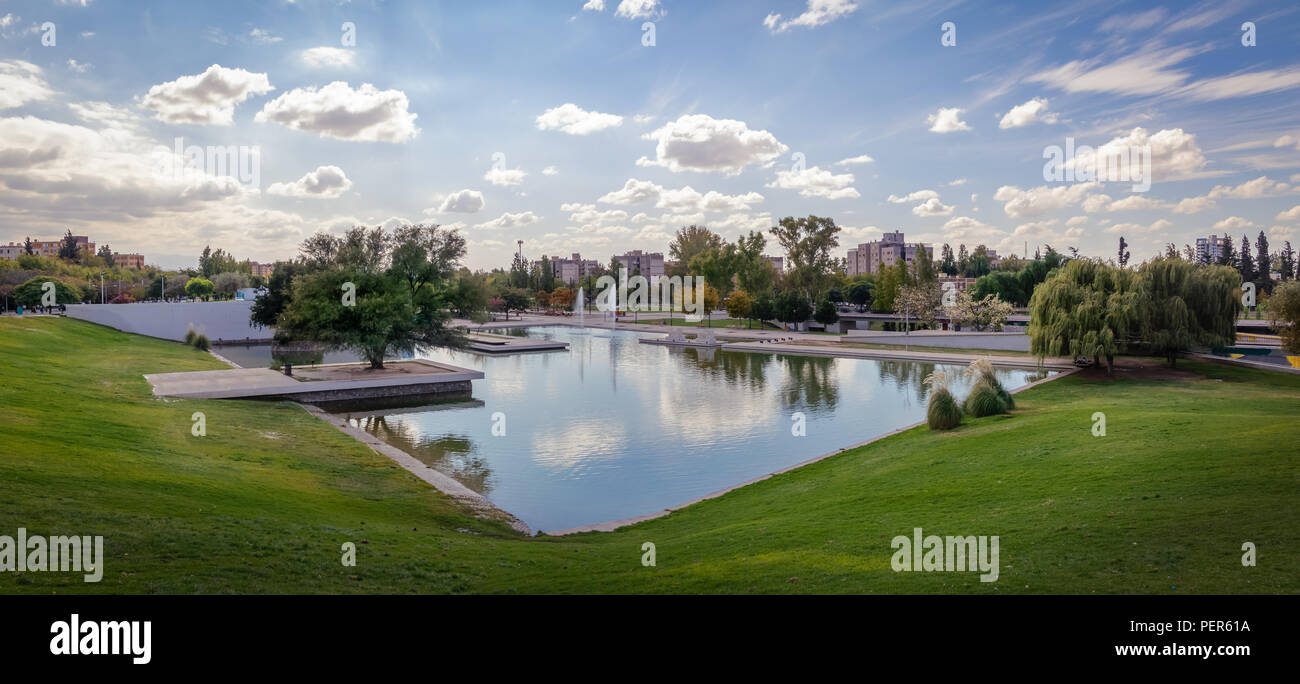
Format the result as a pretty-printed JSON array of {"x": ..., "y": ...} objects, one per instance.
[{"x": 322, "y": 383}]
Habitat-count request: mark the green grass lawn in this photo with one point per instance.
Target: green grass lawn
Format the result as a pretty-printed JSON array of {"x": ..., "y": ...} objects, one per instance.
[{"x": 1190, "y": 469}]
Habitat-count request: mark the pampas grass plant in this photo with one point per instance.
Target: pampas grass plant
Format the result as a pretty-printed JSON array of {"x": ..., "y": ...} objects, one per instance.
[
  {"x": 943, "y": 413},
  {"x": 984, "y": 401},
  {"x": 190, "y": 335},
  {"x": 981, "y": 370}
]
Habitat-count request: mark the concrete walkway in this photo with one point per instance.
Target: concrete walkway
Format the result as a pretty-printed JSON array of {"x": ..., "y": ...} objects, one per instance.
[{"x": 416, "y": 376}]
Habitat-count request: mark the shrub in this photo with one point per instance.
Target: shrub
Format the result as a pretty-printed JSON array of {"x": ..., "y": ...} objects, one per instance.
[
  {"x": 190, "y": 335},
  {"x": 984, "y": 401},
  {"x": 201, "y": 343},
  {"x": 943, "y": 413},
  {"x": 981, "y": 370}
]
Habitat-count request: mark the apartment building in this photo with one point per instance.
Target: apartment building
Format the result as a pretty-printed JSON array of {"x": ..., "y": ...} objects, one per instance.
[
  {"x": 871, "y": 257},
  {"x": 573, "y": 269},
  {"x": 648, "y": 264}
]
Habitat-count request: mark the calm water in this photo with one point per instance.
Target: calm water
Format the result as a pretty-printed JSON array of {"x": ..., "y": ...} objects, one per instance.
[{"x": 613, "y": 428}]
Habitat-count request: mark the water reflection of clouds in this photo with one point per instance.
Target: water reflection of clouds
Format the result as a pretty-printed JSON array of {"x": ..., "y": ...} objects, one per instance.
[{"x": 580, "y": 442}]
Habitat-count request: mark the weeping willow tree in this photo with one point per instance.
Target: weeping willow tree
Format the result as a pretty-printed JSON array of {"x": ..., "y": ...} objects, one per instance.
[
  {"x": 1187, "y": 306},
  {"x": 1087, "y": 308}
]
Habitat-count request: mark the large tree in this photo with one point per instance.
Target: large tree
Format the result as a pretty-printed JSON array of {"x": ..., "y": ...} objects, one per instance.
[
  {"x": 689, "y": 242},
  {"x": 717, "y": 265},
  {"x": 1245, "y": 264},
  {"x": 947, "y": 263},
  {"x": 919, "y": 302},
  {"x": 266, "y": 308},
  {"x": 1286, "y": 262},
  {"x": 808, "y": 243},
  {"x": 377, "y": 294},
  {"x": 1085, "y": 309},
  {"x": 1263, "y": 264},
  {"x": 1284, "y": 310},
  {"x": 32, "y": 292},
  {"x": 755, "y": 274},
  {"x": 1186, "y": 306},
  {"x": 791, "y": 306},
  {"x": 68, "y": 247}
]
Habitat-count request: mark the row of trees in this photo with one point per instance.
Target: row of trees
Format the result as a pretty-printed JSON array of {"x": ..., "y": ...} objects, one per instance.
[
  {"x": 1092, "y": 309},
  {"x": 1254, "y": 266}
]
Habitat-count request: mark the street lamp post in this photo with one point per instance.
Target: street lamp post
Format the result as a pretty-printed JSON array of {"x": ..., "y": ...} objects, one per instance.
[{"x": 101, "y": 287}]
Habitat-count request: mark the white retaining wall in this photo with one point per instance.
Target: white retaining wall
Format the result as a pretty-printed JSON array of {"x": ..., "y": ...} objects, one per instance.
[
  {"x": 1001, "y": 341},
  {"x": 218, "y": 320}
]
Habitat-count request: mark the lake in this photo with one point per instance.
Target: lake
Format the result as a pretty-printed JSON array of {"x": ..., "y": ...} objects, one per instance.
[{"x": 614, "y": 429}]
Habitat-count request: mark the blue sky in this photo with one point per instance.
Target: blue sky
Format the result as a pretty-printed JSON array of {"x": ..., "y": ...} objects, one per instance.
[{"x": 552, "y": 122}]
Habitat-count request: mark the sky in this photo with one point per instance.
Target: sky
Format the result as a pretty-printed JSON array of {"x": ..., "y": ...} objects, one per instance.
[{"x": 602, "y": 126}]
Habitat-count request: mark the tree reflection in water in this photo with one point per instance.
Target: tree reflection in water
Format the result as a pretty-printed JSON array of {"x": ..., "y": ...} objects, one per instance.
[{"x": 450, "y": 454}]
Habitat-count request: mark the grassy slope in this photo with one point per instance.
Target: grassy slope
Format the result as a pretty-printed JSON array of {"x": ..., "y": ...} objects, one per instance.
[{"x": 1190, "y": 469}]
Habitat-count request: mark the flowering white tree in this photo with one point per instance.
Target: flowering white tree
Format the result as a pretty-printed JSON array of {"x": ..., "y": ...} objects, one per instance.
[{"x": 988, "y": 312}]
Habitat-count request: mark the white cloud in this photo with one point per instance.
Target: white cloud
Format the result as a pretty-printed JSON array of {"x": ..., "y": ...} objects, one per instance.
[
  {"x": 816, "y": 182},
  {"x": 959, "y": 181},
  {"x": 319, "y": 57},
  {"x": 1036, "y": 229},
  {"x": 550, "y": 171},
  {"x": 1292, "y": 214},
  {"x": 688, "y": 199},
  {"x": 1193, "y": 205},
  {"x": 634, "y": 192},
  {"x": 1134, "y": 22},
  {"x": 502, "y": 176},
  {"x": 919, "y": 195},
  {"x": 1254, "y": 189},
  {"x": 638, "y": 9},
  {"x": 74, "y": 65},
  {"x": 1155, "y": 227},
  {"x": 818, "y": 13},
  {"x": 206, "y": 98},
  {"x": 263, "y": 37},
  {"x": 1233, "y": 223},
  {"x": 594, "y": 6},
  {"x": 1287, "y": 141},
  {"x": 969, "y": 230},
  {"x": 1077, "y": 221},
  {"x": 9, "y": 20},
  {"x": 1174, "y": 155},
  {"x": 1155, "y": 72},
  {"x": 932, "y": 207},
  {"x": 1146, "y": 73},
  {"x": 326, "y": 182},
  {"x": 462, "y": 202},
  {"x": 572, "y": 119},
  {"x": 860, "y": 159},
  {"x": 947, "y": 120},
  {"x": 1243, "y": 85},
  {"x": 1042, "y": 199},
  {"x": 20, "y": 83},
  {"x": 60, "y": 173},
  {"x": 681, "y": 200},
  {"x": 508, "y": 220},
  {"x": 699, "y": 142},
  {"x": 337, "y": 111},
  {"x": 1027, "y": 113}
]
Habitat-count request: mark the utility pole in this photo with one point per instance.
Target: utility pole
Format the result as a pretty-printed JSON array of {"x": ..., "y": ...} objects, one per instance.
[{"x": 101, "y": 288}]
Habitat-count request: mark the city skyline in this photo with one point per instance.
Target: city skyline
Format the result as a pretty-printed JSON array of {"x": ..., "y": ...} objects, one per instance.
[{"x": 574, "y": 127}]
